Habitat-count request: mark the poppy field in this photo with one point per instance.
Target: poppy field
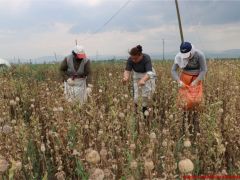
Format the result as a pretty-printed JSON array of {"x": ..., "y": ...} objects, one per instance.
[{"x": 43, "y": 136}]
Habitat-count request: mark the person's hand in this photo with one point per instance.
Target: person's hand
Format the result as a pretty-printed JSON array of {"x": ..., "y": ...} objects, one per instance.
[
  {"x": 64, "y": 78},
  {"x": 90, "y": 85},
  {"x": 194, "y": 83},
  {"x": 125, "y": 80},
  {"x": 70, "y": 82},
  {"x": 181, "y": 84},
  {"x": 89, "y": 89},
  {"x": 141, "y": 82}
]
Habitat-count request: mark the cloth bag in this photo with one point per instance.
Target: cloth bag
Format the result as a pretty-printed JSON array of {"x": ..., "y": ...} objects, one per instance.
[
  {"x": 77, "y": 91},
  {"x": 189, "y": 97},
  {"x": 145, "y": 91}
]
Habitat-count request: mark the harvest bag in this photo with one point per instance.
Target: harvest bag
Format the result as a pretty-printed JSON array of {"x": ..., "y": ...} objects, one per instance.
[
  {"x": 76, "y": 92},
  {"x": 145, "y": 91},
  {"x": 189, "y": 97}
]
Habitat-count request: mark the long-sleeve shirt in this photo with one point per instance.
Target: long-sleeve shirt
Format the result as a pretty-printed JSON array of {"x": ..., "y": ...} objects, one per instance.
[
  {"x": 87, "y": 70},
  {"x": 196, "y": 65}
]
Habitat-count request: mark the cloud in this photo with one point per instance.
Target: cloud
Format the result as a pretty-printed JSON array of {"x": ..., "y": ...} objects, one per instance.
[
  {"x": 14, "y": 6},
  {"x": 149, "y": 14},
  {"x": 88, "y": 2},
  {"x": 59, "y": 40},
  {"x": 215, "y": 37},
  {"x": 34, "y": 28},
  {"x": 210, "y": 12}
]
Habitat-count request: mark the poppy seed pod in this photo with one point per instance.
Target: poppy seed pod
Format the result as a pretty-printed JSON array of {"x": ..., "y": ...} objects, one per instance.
[
  {"x": 93, "y": 157},
  {"x": 185, "y": 166},
  {"x": 3, "y": 165},
  {"x": 97, "y": 174}
]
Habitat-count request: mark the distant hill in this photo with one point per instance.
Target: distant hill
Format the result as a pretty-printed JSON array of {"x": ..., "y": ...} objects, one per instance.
[
  {"x": 231, "y": 53},
  {"x": 49, "y": 59}
]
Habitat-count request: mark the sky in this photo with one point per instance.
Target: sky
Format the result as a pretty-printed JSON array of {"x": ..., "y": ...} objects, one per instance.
[{"x": 35, "y": 28}]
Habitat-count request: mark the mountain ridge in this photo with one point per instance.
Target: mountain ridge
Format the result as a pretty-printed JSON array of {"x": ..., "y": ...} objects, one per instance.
[{"x": 230, "y": 53}]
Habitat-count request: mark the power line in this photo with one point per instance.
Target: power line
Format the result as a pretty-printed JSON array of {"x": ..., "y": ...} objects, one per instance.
[
  {"x": 113, "y": 16},
  {"x": 110, "y": 19}
]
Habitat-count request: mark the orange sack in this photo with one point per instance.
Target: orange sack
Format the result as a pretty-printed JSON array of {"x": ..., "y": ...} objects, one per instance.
[{"x": 189, "y": 97}]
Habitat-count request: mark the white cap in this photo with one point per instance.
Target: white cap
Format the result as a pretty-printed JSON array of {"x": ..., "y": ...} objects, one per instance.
[{"x": 80, "y": 51}]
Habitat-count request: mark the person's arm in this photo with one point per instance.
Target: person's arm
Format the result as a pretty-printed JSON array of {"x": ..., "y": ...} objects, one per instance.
[
  {"x": 63, "y": 69},
  {"x": 126, "y": 75},
  {"x": 127, "y": 72},
  {"x": 88, "y": 72},
  {"x": 175, "y": 73},
  {"x": 143, "y": 80},
  {"x": 203, "y": 67}
]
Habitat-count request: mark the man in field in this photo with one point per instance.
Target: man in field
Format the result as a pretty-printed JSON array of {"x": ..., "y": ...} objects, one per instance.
[
  {"x": 193, "y": 67},
  {"x": 75, "y": 70}
]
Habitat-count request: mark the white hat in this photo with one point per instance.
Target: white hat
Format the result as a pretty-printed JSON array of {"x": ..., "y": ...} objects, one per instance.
[{"x": 79, "y": 51}]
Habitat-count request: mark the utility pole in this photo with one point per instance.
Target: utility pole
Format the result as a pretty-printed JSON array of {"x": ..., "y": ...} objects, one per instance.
[
  {"x": 179, "y": 21},
  {"x": 163, "y": 49},
  {"x": 76, "y": 42},
  {"x": 96, "y": 55},
  {"x": 55, "y": 56}
]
